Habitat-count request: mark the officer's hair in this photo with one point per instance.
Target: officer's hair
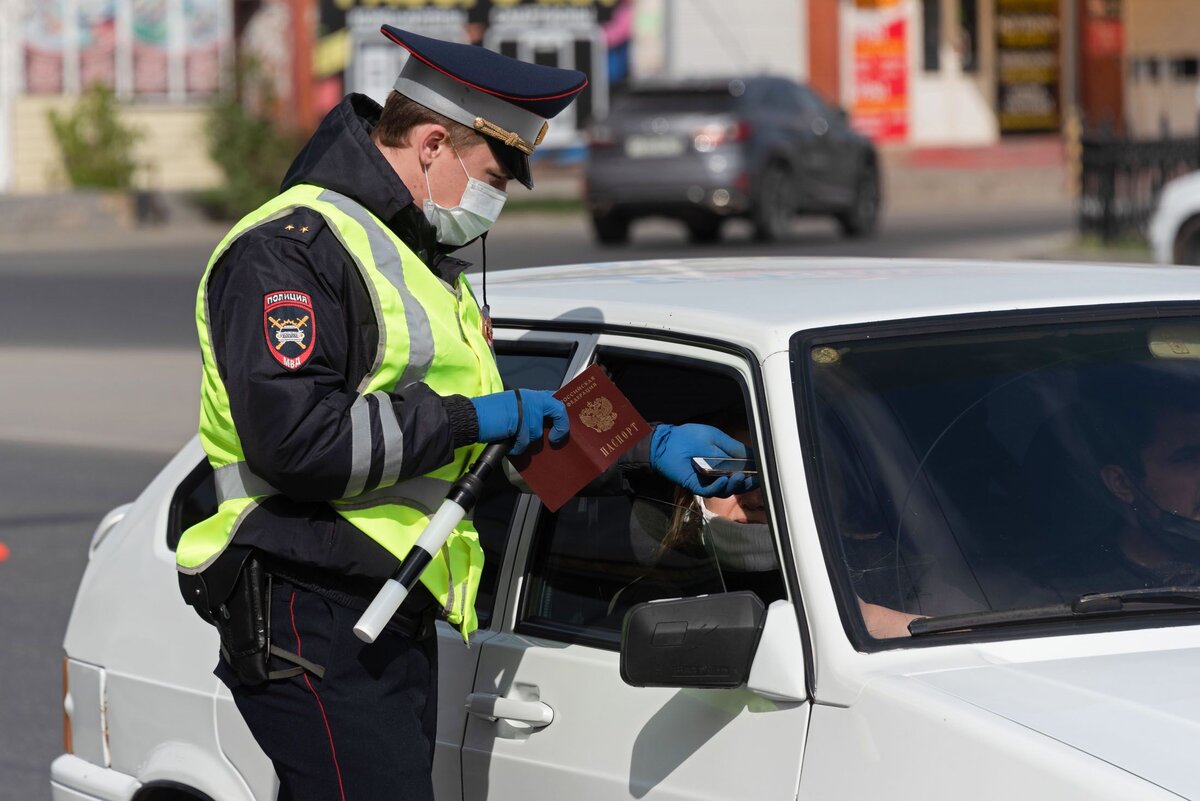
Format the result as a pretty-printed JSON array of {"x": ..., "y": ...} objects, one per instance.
[{"x": 401, "y": 114}]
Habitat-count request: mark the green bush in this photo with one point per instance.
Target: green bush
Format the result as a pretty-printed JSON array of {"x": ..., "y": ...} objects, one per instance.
[
  {"x": 250, "y": 146},
  {"x": 97, "y": 148}
]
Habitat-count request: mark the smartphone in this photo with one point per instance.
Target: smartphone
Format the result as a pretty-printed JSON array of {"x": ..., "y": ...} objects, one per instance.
[{"x": 723, "y": 466}]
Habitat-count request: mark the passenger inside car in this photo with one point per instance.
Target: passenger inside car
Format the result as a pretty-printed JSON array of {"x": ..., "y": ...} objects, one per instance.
[
  {"x": 966, "y": 473},
  {"x": 1146, "y": 432}
]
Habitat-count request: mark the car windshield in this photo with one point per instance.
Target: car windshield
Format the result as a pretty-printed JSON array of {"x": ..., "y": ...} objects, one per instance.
[{"x": 1013, "y": 468}]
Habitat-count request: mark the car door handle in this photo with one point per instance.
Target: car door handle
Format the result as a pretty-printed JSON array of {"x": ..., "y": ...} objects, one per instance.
[{"x": 493, "y": 707}]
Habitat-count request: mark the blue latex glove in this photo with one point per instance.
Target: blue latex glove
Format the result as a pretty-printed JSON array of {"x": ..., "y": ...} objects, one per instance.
[
  {"x": 672, "y": 449},
  {"x": 502, "y": 416}
]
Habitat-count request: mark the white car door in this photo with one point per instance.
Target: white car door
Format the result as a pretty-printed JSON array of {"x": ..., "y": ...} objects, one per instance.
[
  {"x": 556, "y": 656},
  {"x": 530, "y": 360}
]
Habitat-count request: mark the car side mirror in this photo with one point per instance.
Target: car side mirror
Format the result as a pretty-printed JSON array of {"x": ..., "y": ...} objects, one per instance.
[{"x": 706, "y": 642}]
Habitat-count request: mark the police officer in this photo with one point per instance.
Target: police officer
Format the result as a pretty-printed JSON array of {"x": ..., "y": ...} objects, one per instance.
[{"x": 348, "y": 381}]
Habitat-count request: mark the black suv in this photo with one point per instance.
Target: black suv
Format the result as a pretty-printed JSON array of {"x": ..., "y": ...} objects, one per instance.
[{"x": 764, "y": 148}]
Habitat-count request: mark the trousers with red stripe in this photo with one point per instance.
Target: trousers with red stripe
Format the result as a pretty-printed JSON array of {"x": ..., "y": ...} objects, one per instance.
[{"x": 364, "y": 731}]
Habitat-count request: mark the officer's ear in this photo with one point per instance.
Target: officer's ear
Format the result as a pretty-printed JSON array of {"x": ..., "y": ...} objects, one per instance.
[{"x": 429, "y": 139}]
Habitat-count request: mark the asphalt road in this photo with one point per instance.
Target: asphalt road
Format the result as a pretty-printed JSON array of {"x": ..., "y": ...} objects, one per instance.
[
  {"x": 99, "y": 365},
  {"x": 144, "y": 296}
]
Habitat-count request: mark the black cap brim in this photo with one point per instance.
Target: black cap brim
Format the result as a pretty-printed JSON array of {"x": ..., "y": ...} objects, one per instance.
[{"x": 513, "y": 160}]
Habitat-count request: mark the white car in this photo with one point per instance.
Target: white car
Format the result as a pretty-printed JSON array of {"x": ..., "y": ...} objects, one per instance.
[
  {"x": 946, "y": 443},
  {"x": 1175, "y": 225}
]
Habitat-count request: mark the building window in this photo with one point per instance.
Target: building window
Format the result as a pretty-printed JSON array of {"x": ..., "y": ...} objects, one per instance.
[
  {"x": 161, "y": 49},
  {"x": 1144, "y": 69},
  {"x": 968, "y": 32},
  {"x": 931, "y": 21},
  {"x": 1185, "y": 69}
]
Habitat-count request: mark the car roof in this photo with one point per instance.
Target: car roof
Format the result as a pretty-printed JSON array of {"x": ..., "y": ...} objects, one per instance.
[
  {"x": 706, "y": 83},
  {"x": 760, "y": 302}
]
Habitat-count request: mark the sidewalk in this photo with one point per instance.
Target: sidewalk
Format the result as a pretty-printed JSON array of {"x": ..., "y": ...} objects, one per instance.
[
  {"x": 1026, "y": 174},
  {"x": 72, "y": 221},
  {"x": 1023, "y": 175}
]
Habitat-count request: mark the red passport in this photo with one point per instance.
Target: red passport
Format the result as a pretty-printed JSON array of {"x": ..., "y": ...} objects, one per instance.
[{"x": 604, "y": 425}]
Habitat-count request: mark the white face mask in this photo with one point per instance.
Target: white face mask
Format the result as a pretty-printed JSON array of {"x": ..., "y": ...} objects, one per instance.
[
  {"x": 473, "y": 216},
  {"x": 747, "y": 547}
]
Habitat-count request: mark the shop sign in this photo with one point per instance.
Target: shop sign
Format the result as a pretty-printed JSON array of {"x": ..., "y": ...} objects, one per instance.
[
  {"x": 589, "y": 35},
  {"x": 149, "y": 48},
  {"x": 44, "y": 32},
  {"x": 1104, "y": 37},
  {"x": 97, "y": 39},
  {"x": 1028, "y": 65},
  {"x": 881, "y": 70},
  {"x": 202, "y": 58},
  {"x": 151, "y": 57}
]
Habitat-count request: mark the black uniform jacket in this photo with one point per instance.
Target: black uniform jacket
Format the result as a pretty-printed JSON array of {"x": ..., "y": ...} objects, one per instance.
[{"x": 294, "y": 421}]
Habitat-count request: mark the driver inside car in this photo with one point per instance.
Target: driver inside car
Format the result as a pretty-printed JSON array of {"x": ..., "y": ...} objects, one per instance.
[{"x": 1148, "y": 446}]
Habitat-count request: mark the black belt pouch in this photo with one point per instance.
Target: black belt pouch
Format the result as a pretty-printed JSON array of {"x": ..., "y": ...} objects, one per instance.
[{"x": 234, "y": 594}]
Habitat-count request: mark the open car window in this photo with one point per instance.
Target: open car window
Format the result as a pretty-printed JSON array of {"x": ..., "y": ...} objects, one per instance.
[
  {"x": 530, "y": 364},
  {"x": 610, "y": 548},
  {"x": 966, "y": 471}
]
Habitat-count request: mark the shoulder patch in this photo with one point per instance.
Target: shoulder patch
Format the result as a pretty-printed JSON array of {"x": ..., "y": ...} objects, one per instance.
[
  {"x": 290, "y": 326},
  {"x": 302, "y": 225}
]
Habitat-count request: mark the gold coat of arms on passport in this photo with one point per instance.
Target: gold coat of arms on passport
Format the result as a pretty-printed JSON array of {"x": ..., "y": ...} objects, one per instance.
[{"x": 598, "y": 415}]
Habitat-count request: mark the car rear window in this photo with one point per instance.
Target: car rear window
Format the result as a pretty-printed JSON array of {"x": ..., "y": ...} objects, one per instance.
[
  {"x": 675, "y": 101},
  {"x": 965, "y": 472}
]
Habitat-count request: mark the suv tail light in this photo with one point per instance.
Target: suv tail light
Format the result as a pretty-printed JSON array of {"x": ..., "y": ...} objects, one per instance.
[{"x": 707, "y": 139}]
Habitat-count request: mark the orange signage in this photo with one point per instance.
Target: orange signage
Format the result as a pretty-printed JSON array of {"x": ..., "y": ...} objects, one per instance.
[{"x": 881, "y": 70}]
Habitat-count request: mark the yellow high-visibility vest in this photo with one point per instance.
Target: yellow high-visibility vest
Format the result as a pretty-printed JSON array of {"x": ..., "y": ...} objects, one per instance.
[{"x": 428, "y": 332}]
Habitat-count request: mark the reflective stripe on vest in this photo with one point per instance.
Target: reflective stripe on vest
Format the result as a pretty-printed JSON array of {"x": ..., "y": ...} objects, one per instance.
[{"x": 427, "y": 332}]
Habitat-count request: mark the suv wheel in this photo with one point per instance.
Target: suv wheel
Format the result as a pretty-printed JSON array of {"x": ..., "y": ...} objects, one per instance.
[
  {"x": 862, "y": 216},
  {"x": 1187, "y": 243},
  {"x": 611, "y": 229},
  {"x": 774, "y": 206},
  {"x": 704, "y": 230}
]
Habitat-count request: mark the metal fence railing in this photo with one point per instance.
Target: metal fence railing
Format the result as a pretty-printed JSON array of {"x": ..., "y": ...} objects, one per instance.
[{"x": 1120, "y": 180}]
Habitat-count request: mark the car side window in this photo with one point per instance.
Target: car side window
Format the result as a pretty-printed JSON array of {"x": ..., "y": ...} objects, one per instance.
[
  {"x": 813, "y": 105},
  {"x": 640, "y": 538},
  {"x": 530, "y": 365},
  {"x": 781, "y": 98}
]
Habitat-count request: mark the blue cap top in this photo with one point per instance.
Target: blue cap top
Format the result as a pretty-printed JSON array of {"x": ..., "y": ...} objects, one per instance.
[{"x": 506, "y": 100}]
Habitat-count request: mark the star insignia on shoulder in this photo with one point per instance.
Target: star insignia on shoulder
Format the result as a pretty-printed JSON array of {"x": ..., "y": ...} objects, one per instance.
[
  {"x": 289, "y": 227},
  {"x": 304, "y": 229}
]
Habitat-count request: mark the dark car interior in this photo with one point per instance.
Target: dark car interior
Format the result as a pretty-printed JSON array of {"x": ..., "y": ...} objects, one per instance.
[{"x": 960, "y": 471}]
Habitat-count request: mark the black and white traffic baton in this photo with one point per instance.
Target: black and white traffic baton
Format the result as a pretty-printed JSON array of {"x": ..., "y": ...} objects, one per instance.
[{"x": 463, "y": 495}]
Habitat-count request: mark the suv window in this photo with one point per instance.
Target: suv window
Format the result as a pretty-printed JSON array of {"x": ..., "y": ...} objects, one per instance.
[
  {"x": 606, "y": 550},
  {"x": 811, "y": 104},
  {"x": 782, "y": 97}
]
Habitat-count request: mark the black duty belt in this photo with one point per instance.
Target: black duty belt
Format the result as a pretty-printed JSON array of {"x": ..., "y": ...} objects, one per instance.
[{"x": 416, "y": 619}]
